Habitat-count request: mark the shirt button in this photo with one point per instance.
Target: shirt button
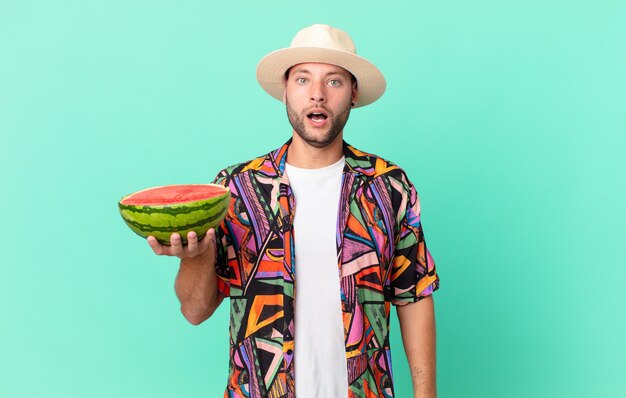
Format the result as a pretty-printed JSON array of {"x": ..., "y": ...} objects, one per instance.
[
  {"x": 286, "y": 224},
  {"x": 289, "y": 351}
]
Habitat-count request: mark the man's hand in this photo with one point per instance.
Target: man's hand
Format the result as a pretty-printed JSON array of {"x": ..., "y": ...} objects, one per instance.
[{"x": 192, "y": 249}]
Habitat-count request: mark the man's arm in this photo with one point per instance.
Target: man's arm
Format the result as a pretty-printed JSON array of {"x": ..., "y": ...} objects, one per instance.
[
  {"x": 417, "y": 325},
  {"x": 196, "y": 288},
  {"x": 196, "y": 282}
]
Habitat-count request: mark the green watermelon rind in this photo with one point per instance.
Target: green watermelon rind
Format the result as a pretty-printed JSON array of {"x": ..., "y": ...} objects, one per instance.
[{"x": 161, "y": 221}]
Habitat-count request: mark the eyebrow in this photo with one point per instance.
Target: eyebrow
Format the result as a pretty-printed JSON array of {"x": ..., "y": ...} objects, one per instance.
[{"x": 306, "y": 71}]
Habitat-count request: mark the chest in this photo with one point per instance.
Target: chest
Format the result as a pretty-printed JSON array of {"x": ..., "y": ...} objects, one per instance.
[{"x": 265, "y": 210}]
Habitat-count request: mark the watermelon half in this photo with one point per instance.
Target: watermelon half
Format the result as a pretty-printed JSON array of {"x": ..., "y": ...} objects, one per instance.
[{"x": 161, "y": 211}]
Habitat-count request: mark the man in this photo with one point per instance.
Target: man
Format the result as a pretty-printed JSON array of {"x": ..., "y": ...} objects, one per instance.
[{"x": 319, "y": 240}]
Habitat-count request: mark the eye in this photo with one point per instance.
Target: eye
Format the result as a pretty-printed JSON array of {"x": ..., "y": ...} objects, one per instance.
[
  {"x": 300, "y": 80},
  {"x": 334, "y": 82}
]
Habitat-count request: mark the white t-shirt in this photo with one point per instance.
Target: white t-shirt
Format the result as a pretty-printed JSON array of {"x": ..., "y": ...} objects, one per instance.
[{"x": 320, "y": 354}]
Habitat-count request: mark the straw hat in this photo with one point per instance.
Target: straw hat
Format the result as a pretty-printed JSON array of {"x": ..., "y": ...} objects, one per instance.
[{"x": 323, "y": 44}]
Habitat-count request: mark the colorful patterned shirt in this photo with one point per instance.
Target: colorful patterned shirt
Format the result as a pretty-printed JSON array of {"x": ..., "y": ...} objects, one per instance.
[{"x": 382, "y": 259}]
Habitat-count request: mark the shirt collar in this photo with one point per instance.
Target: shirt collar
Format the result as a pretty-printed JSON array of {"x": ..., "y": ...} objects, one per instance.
[{"x": 357, "y": 162}]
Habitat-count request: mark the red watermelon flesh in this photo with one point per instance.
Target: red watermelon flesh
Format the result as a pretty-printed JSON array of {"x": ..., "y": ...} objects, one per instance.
[
  {"x": 171, "y": 194},
  {"x": 161, "y": 211}
]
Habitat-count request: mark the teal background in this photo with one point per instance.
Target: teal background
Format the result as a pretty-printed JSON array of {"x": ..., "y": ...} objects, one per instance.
[{"x": 508, "y": 116}]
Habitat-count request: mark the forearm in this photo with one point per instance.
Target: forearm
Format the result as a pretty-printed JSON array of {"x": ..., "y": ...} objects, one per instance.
[
  {"x": 417, "y": 325},
  {"x": 196, "y": 288}
]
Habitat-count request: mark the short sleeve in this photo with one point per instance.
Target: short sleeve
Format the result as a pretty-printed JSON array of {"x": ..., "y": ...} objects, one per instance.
[
  {"x": 413, "y": 274},
  {"x": 222, "y": 243}
]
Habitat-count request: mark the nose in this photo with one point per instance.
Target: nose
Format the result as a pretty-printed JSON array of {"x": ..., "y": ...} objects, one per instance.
[{"x": 318, "y": 93}]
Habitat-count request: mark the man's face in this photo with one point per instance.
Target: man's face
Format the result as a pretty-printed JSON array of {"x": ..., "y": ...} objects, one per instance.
[{"x": 318, "y": 99}]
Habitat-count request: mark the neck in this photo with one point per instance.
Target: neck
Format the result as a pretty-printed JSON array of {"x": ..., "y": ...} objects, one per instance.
[{"x": 305, "y": 156}]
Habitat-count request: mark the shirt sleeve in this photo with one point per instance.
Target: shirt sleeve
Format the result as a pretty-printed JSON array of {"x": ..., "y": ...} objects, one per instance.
[
  {"x": 413, "y": 274},
  {"x": 222, "y": 244}
]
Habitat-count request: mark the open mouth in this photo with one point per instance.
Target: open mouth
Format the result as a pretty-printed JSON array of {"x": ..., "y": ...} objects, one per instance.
[{"x": 317, "y": 116}]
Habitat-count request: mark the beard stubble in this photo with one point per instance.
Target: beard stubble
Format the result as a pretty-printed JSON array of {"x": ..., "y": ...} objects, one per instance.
[{"x": 336, "y": 126}]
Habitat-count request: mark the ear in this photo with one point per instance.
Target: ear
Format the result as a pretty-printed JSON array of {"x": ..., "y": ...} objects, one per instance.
[{"x": 355, "y": 94}]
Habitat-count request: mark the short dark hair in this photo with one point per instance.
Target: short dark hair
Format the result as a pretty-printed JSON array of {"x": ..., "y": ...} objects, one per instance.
[{"x": 352, "y": 78}]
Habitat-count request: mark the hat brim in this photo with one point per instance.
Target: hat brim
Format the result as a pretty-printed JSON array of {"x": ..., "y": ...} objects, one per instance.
[{"x": 271, "y": 70}]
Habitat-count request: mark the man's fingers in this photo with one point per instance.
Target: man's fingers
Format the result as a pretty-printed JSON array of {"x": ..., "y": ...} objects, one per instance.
[
  {"x": 192, "y": 243},
  {"x": 157, "y": 248},
  {"x": 176, "y": 246},
  {"x": 207, "y": 241}
]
